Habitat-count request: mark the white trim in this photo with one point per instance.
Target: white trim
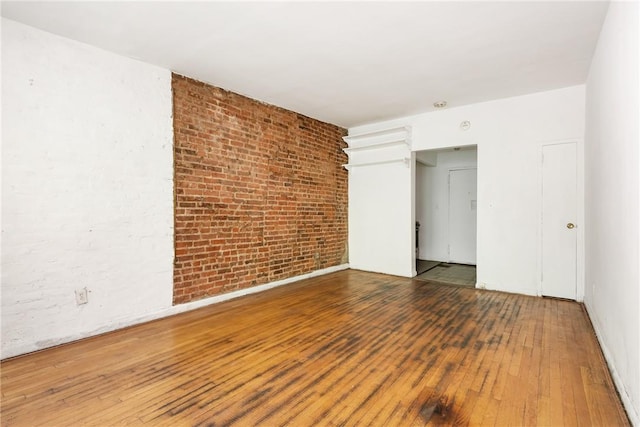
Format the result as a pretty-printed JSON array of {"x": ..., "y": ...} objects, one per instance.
[
  {"x": 172, "y": 310},
  {"x": 634, "y": 417},
  {"x": 510, "y": 290},
  {"x": 254, "y": 289}
]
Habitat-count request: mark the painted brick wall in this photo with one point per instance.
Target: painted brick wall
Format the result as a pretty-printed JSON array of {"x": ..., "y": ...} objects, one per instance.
[
  {"x": 260, "y": 193},
  {"x": 87, "y": 192}
]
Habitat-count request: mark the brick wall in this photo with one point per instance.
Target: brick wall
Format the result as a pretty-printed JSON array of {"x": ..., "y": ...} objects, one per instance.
[{"x": 260, "y": 193}]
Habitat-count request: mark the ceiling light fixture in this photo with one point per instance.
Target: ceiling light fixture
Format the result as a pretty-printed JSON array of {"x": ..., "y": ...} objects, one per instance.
[{"x": 440, "y": 104}]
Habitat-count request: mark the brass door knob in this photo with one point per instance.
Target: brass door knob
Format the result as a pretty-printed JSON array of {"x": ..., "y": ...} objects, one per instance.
[{"x": 570, "y": 226}]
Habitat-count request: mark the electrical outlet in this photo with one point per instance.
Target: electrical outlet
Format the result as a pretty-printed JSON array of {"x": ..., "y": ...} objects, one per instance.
[{"x": 82, "y": 296}]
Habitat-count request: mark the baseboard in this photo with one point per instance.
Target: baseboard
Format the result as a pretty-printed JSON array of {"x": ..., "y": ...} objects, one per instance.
[
  {"x": 254, "y": 289},
  {"x": 166, "y": 312},
  {"x": 633, "y": 415},
  {"x": 492, "y": 287}
]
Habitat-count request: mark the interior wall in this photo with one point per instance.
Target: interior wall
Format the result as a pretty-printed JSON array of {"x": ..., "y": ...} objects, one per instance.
[
  {"x": 261, "y": 194},
  {"x": 87, "y": 189},
  {"x": 424, "y": 211},
  {"x": 509, "y": 134},
  {"x": 612, "y": 198},
  {"x": 432, "y": 201},
  {"x": 381, "y": 220}
]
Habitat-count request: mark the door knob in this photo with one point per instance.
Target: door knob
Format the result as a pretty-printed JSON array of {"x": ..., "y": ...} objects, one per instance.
[{"x": 570, "y": 226}]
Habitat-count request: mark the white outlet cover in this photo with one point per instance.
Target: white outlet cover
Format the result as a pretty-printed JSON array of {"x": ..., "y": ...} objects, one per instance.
[{"x": 82, "y": 296}]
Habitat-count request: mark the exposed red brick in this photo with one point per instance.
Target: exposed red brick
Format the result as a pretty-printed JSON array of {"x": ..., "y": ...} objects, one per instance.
[{"x": 260, "y": 193}]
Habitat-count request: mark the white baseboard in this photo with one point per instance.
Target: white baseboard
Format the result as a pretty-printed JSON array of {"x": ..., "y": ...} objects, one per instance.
[
  {"x": 632, "y": 413},
  {"x": 252, "y": 290},
  {"x": 166, "y": 312}
]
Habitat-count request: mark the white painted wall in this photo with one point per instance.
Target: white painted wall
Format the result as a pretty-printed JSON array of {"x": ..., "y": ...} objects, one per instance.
[
  {"x": 87, "y": 189},
  {"x": 432, "y": 201},
  {"x": 612, "y": 166},
  {"x": 381, "y": 218},
  {"x": 509, "y": 134},
  {"x": 425, "y": 207}
]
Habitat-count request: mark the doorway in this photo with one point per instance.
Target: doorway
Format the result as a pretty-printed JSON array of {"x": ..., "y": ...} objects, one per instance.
[{"x": 446, "y": 230}]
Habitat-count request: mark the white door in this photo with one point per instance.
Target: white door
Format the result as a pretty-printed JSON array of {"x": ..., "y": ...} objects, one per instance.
[
  {"x": 462, "y": 216},
  {"x": 559, "y": 208}
]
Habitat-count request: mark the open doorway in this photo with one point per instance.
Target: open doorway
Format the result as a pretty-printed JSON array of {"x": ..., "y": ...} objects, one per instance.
[{"x": 446, "y": 221}]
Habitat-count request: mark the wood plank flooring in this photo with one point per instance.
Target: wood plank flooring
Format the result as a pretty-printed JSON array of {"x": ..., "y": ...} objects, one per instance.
[{"x": 350, "y": 348}]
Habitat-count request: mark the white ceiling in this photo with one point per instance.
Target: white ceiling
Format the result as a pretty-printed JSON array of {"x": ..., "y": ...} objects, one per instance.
[{"x": 346, "y": 63}]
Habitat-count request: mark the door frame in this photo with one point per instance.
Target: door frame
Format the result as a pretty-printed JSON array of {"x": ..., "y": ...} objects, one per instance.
[
  {"x": 414, "y": 189},
  {"x": 580, "y": 218}
]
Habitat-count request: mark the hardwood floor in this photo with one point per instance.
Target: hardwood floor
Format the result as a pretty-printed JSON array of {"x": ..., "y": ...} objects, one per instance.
[{"x": 349, "y": 348}]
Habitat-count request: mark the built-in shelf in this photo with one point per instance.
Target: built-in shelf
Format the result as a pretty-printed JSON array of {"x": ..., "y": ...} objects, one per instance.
[
  {"x": 405, "y": 160},
  {"x": 393, "y": 143},
  {"x": 378, "y": 134},
  {"x": 393, "y": 137}
]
